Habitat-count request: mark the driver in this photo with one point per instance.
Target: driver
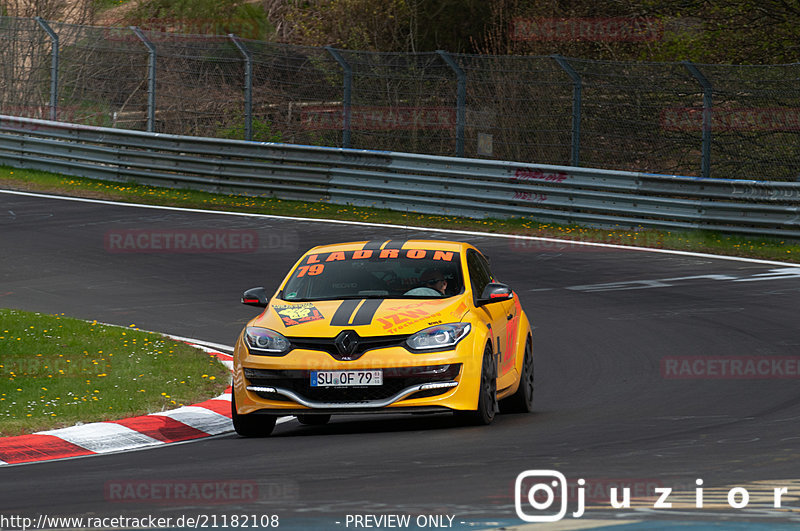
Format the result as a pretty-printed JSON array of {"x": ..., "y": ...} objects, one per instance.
[
  {"x": 432, "y": 283},
  {"x": 433, "y": 278}
]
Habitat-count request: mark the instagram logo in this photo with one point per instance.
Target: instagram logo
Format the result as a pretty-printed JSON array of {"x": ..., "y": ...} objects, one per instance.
[{"x": 538, "y": 490}]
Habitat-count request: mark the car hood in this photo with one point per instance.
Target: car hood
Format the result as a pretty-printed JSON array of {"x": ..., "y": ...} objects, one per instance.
[{"x": 368, "y": 317}]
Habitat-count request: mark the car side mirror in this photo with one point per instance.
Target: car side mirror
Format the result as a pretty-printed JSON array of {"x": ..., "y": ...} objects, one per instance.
[
  {"x": 495, "y": 292},
  {"x": 255, "y": 297}
]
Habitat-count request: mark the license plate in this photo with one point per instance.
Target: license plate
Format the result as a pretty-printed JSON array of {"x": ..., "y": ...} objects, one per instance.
[{"x": 346, "y": 378}]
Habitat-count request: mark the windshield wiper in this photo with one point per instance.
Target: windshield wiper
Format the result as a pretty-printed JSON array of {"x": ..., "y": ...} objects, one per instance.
[{"x": 343, "y": 298}]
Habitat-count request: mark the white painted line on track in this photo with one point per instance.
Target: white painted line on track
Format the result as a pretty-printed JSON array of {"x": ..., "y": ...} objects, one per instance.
[
  {"x": 228, "y": 363},
  {"x": 569, "y": 525},
  {"x": 225, "y": 349},
  {"x": 103, "y": 437},
  {"x": 406, "y": 227}
]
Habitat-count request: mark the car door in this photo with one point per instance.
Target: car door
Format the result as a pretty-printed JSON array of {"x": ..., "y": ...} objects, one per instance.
[{"x": 498, "y": 314}]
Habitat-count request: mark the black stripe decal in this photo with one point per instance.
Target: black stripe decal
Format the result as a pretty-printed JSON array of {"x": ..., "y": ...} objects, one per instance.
[
  {"x": 342, "y": 315},
  {"x": 395, "y": 244},
  {"x": 366, "y": 312},
  {"x": 373, "y": 245}
]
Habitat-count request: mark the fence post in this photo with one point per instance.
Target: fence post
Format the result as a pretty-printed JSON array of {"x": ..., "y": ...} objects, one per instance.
[
  {"x": 151, "y": 80},
  {"x": 248, "y": 86},
  {"x": 53, "y": 68},
  {"x": 461, "y": 100},
  {"x": 576, "y": 108},
  {"x": 705, "y": 165},
  {"x": 348, "y": 94}
]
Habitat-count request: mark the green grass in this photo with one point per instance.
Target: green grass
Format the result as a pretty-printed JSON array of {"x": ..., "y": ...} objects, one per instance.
[
  {"x": 57, "y": 371},
  {"x": 697, "y": 241}
]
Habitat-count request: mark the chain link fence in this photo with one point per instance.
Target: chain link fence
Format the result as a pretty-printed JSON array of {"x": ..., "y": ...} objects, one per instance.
[{"x": 672, "y": 118}]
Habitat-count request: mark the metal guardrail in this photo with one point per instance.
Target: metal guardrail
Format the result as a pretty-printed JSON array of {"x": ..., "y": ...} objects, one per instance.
[{"x": 405, "y": 182}]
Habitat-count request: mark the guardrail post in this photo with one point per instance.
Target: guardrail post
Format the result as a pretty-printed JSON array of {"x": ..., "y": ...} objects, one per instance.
[
  {"x": 705, "y": 165},
  {"x": 151, "y": 79},
  {"x": 348, "y": 94},
  {"x": 53, "y": 68},
  {"x": 248, "y": 86},
  {"x": 461, "y": 101},
  {"x": 576, "y": 108}
]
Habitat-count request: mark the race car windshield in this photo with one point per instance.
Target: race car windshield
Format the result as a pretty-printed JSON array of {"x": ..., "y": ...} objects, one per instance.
[{"x": 380, "y": 274}]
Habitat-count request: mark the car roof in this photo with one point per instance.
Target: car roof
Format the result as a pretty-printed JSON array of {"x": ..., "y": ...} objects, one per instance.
[{"x": 443, "y": 245}]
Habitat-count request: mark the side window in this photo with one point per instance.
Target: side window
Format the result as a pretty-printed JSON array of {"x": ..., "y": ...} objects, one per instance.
[
  {"x": 478, "y": 273},
  {"x": 485, "y": 263}
]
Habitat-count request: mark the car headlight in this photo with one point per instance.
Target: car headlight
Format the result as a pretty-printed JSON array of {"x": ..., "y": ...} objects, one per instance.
[
  {"x": 265, "y": 341},
  {"x": 439, "y": 336}
]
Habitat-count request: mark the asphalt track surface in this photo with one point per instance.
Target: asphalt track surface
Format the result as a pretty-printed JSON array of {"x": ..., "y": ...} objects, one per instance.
[{"x": 605, "y": 322}]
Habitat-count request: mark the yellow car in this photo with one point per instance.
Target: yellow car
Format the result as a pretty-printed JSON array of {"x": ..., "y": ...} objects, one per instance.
[{"x": 387, "y": 326}]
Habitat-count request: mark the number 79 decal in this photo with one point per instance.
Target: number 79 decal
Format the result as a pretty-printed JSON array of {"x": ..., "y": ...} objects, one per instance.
[{"x": 315, "y": 269}]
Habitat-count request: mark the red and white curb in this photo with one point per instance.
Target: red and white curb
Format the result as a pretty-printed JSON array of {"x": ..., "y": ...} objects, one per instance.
[{"x": 211, "y": 417}]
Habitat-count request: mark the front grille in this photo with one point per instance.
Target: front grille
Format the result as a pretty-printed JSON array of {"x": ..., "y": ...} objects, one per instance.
[
  {"x": 394, "y": 381},
  {"x": 427, "y": 393},
  {"x": 266, "y": 395},
  {"x": 365, "y": 344}
]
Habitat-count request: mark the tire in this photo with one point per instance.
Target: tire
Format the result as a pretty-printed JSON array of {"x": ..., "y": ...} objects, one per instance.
[
  {"x": 522, "y": 400},
  {"x": 251, "y": 425},
  {"x": 313, "y": 420},
  {"x": 487, "y": 395}
]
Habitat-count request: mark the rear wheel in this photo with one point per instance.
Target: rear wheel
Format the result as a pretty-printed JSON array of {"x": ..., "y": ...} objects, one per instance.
[
  {"x": 313, "y": 420},
  {"x": 251, "y": 425},
  {"x": 522, "y": 400},
  {"x": 487, "y": 395}
]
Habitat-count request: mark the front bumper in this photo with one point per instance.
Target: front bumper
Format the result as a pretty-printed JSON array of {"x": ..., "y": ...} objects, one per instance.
[
  {"x": 398, "y": 384},
  {"x": 412, "y": 382}
]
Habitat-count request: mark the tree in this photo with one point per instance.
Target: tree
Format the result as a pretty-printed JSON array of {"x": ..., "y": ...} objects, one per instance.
[
  {"x": 352, "y": 24},
  {"x": 74, "y": 12},
  {"x": 218, "y": 17}
]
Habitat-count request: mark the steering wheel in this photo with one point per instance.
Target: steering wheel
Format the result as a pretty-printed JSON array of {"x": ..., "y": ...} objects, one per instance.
[{"x": 423, "y": 292}]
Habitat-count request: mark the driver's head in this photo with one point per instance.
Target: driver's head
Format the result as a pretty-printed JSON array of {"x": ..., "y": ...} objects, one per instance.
[{"x": 434, "y": 279}]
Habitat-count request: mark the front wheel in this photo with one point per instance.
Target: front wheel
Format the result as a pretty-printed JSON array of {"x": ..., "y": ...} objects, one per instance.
[
  {"x": 251, "y": 425},
  {"x": 522, "y": 400},
  {"x": 487, "y": 394}
]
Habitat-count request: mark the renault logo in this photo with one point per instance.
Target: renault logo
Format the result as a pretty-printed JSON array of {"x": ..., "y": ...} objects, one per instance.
[{"x": 346, "y": 343}]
